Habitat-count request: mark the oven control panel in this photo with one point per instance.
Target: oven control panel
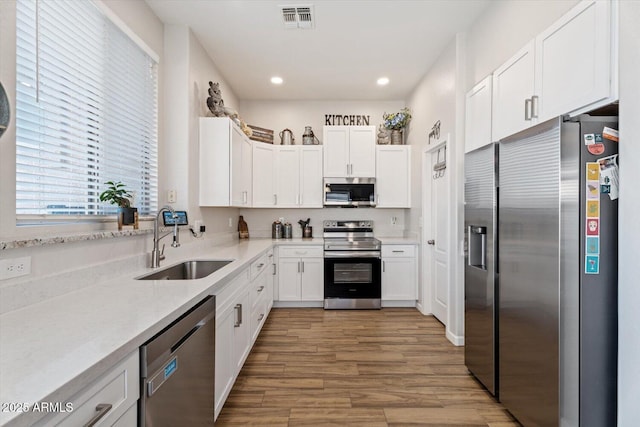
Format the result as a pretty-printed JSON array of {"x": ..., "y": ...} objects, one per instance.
[{"x": 346, "y": 225}]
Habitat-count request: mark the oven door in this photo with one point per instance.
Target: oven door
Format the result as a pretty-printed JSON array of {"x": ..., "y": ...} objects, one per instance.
[{"x": 352, "y": 277}]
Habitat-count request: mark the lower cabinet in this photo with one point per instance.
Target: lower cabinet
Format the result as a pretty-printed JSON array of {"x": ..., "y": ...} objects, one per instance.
[
  {"x": 232, "y": 336},
  {"x": 242, "y": 308},
  {"x": 300, "y": 273},
  {"x": 116, "y": 391},
  {"x": 399, "y": 273}
]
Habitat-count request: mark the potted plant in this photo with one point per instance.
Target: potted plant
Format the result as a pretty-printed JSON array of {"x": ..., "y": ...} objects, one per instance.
[
  {"x": 117, "y": 194},
  {"x": 396, "y": 122}
]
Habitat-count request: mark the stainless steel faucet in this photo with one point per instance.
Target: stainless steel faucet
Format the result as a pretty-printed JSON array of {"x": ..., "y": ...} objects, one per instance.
[{"x": 157, "y": 255}]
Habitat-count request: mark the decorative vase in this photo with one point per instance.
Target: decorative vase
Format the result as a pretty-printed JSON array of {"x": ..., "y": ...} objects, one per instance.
[{"x": 396, "y": 137}]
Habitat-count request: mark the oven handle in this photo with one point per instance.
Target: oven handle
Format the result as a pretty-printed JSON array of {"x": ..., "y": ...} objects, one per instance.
[{"x": 352, "y": 254}]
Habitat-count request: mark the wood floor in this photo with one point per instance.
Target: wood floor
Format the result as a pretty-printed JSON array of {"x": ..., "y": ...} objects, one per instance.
[{"x": 387, "y": 367}]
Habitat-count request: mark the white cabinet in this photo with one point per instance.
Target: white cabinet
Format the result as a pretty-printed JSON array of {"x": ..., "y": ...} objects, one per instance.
[
  {"x": 300, "y": 273},
  {"x": 393, "y": 176},
  {"x": 225, "y": 164},
  {"x": 264, "y": 175},
  {"x": 119, "y": 387},
  {"x": 233, "y": 337},
  {"x": 478, "y": 116},
  {"x": 350, "y": 151},
  {"x": 567, "y": 69},
  {"x": 399, "y": 273},
  {"x": 287, "y": 176},
  {"x": 261, "y": 293}
]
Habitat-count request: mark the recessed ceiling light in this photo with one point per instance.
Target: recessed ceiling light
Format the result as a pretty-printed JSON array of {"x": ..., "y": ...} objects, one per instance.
[
  {"x": 276, "y": 80},
  {"x": 382, "y": 81}
]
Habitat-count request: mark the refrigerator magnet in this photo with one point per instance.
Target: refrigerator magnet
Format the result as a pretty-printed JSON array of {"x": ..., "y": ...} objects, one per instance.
[
  {"x": 593, "y": 226},
  {"x": 599, "y": 139},
  {"x": 595, "y": 149},
  {"x": 592, "y": 245},
  {"x": 592, "y": 264},
  {"x": 593, "y": 171},
  {"x": 593, "y": 190},
  {"x": 589, "y": 139},
  {"x": 593, "y": 208},
  {"x": 610, "y": 134}
]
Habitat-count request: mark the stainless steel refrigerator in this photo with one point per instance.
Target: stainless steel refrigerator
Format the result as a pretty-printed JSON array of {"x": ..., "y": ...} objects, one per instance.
[
  {"x": 480, "y": 256},
  {"x": 557, "y": 267}
]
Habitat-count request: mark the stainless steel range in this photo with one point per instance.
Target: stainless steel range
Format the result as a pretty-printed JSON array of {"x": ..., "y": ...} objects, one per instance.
[{"x": 352, "y": 266}]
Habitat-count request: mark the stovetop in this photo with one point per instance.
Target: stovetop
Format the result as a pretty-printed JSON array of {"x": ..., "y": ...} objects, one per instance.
[{"x": 349, "y": 236}]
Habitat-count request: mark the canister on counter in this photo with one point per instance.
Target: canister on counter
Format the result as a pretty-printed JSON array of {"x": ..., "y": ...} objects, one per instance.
[
  {"x": 276, "y": 230},
  {"x": 288, "y": 231}
]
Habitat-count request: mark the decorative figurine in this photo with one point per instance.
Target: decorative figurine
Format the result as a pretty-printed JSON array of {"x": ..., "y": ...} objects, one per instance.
[{"x": 214, "y": 101}]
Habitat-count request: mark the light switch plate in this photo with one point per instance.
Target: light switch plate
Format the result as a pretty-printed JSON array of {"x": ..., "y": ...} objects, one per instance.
[
  {"x": 172, "y": 196},
  {"x": 16, "y": 267}
]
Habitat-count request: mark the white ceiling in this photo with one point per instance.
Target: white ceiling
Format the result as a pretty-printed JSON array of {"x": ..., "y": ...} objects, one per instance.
[{"x": 353, "y": 43}]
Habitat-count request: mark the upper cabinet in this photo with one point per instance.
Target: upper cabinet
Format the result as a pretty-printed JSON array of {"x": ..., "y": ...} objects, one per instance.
[
  {"x": 478, "y": 116},
  {"x": 567, "y": 69},
  {"x": 350, "y": 151},
  {"x": 225, "y": 164},
  {"x": 287, "y": 176},
  {"x": 393, "y": 176}
]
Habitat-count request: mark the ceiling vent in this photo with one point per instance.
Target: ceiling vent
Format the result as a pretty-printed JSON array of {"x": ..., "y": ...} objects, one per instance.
[{"x": 297, "y": 16}]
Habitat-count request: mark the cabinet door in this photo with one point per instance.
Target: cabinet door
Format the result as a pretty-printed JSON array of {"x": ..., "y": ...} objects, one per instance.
[
  {"x": 241, "y": 331},
  {"x": 573, "y": 60},
  {"x": 362, "y": 151},
  {"x": 513, "y": 84},
  {"x": 312, "y": 279},
  {"x": 237, "y": 182},
  {"x": 336, "y": 151},
  {"x": 311, "y": 177},
  {"x": 225, "y": 366},
  {"x": 264, "y": 175},
  {"x": 247, "y": 170},
  {"x": 399, "y": 279},
  {"x": 288, "y": 181},
  {"x": 478, "y": 116},
  {"x": 289, "y": 275},
  {"x": 393, "y": 176}
]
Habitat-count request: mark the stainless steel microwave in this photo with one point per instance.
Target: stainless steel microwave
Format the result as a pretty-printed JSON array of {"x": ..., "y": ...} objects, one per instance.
[{"x": 349, "y": 192}]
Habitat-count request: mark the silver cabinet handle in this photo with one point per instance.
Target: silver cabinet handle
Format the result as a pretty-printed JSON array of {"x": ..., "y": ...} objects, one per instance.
[
  {"x": 260, "y": 288},
  {"x": 383, "y": 266},
  {"x": 534, "y": 106},
  {"x": 238, "y": 309},
  {"x": 275, "y": 199},
  {"x": 274, "y": 269},
  {"x": 261, "y": 317},
  {"x": 431, "y": 242},
  {"x": 527, "y": 109},
  {"x": 260, "y": 265},
  {"x": 398, "y": 252},
  {"x": 301, "y": 199},
  {"x": 103, "y": 409},
  {"x": 303, "y": 266},
  {"x": 347, "y": 169}
]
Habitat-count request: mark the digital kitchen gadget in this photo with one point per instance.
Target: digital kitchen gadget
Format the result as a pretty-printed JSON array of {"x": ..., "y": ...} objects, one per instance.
[{"x": 168, "y": 219}]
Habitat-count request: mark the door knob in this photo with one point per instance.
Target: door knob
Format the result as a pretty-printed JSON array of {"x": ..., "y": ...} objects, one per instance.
[{"x": 431, "y": 242}]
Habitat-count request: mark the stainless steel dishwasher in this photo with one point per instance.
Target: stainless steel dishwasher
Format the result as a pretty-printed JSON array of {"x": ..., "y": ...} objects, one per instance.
[{"x": 177, "y": 369}]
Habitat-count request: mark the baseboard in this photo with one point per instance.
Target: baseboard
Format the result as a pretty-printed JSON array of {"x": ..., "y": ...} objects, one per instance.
[
  {"x": 456, "y": 340},
  {"x": 402, "y": 303},
  {"x": 421, "y": 308},
  {"x": 297, "y": 304}
]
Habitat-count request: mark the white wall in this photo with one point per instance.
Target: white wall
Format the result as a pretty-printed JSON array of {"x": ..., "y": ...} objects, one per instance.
[{"x": 629, "y": 235}]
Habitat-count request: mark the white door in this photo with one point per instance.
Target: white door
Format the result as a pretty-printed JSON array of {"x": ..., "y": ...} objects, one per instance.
[
  {"x": 399, "y": 279},
  {"x": 436, "y": 234},
  {"x": 572, "y": 60},
  {"x": 289, "y": 279},
  {"x": 393, "y": 176},
  {"x": 513, "y": 85},
  {"x": 336, "y": 151},
  {"x": 311, "y": 176},
  {"x": 362, "y": 151},
  {"x": 241, "y": 331},
  {"x": 312, "y": 279},
  {"x": 287, "y": 179},
  {"x": 237, "y": 181},
  {"x": 264, "y": 189},
  {"x": 224, "y": 357},
  {"x": 478, "y": 116}
]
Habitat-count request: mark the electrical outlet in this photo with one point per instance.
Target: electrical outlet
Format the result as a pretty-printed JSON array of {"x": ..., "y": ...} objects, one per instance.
[
  {"x": 172, "y": 196},
  {"x": 16, "y": 267}
]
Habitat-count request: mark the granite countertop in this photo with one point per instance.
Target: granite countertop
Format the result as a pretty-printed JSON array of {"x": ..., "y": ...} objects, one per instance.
[{"x": 51, "y": 350}]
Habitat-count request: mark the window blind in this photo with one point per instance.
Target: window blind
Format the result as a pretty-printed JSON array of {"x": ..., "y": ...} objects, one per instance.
[{"x": 86, "y": 111}]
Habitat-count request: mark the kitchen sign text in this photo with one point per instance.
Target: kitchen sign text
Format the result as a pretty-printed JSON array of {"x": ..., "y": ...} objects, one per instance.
[{"x": 346, "y": 120}]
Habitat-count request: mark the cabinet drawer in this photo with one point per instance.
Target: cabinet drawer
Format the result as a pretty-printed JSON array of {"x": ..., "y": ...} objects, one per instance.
[
  {"x": 300, "y": 251},
  {"x": 258, "y": 289},
  {"x": 119, "y": 388},
  {"x": 258, "y": 316},
  {"x": 397, "y": 251},
  {"x": 258, "y": 266},
  {"x": 224, "y": 297}
]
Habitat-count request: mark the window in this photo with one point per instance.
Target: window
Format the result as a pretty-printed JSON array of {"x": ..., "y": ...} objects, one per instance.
[{"x": 86, "y": 111}]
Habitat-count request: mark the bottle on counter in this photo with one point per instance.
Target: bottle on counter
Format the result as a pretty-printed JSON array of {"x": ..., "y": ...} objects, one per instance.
[{"x": 243, "y": 228}]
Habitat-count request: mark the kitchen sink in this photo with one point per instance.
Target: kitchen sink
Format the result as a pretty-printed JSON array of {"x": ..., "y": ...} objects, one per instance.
[{"x": 188, "y": 270}]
